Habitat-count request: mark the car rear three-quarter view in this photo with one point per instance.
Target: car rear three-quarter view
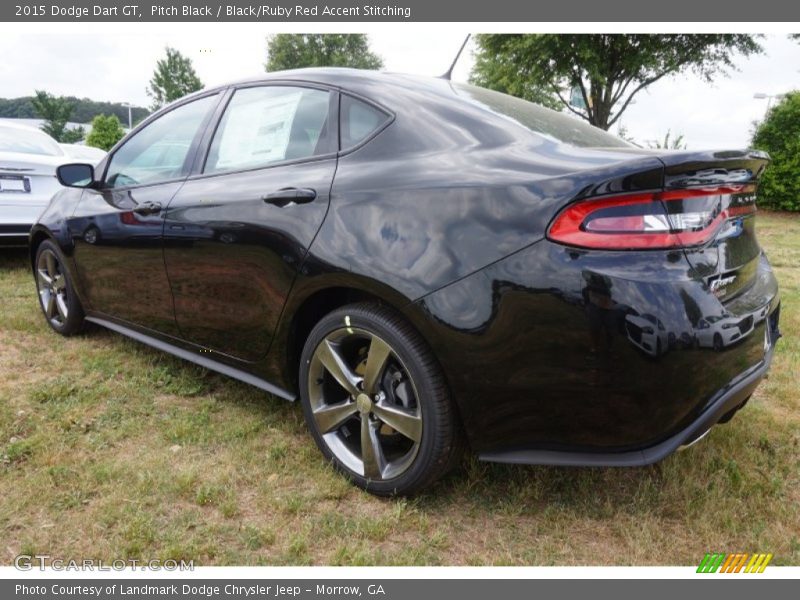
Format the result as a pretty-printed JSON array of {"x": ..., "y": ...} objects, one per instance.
[{"x": 428, "y": 267}]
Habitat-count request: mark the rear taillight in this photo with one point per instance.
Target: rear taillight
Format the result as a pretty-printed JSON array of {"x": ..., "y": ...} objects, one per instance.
[{"x": 651, "y": 220}]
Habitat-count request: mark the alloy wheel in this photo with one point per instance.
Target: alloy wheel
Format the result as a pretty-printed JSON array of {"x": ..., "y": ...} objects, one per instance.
[
  {"x": 52, "y": 285},
  {"x": 364, "y": 404}
]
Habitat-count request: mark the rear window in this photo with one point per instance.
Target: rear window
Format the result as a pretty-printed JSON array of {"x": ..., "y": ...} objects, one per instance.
[
  {"x": 28, "y": 141},
  {"x": 558, "y": 126},
  {"x": 358, "y": 120}
]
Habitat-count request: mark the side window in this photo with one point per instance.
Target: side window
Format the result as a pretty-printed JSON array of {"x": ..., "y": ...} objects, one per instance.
[
  {"x": 269, "y": 124},
  {"x": 158, "y": 152},
  {"x": 359, "y": 120}
]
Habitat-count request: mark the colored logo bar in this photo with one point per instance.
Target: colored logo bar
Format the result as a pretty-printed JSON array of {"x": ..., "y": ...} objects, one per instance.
[{"x": 718, "y": 562}]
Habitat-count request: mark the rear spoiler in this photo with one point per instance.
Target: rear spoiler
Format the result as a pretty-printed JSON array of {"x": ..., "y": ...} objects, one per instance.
[{"x": 717, "y": 167}]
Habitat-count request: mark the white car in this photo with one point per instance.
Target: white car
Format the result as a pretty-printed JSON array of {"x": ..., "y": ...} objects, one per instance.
[
  {"x": 647, "y": 333},
  {"x": 760, "y": 314},
  {"x": 28, "y": 161},
  {"x": 719, "y": 331},
  {"x": 85, "y": 153}
]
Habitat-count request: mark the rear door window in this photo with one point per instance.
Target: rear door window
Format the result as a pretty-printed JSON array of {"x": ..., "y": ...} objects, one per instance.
[{"x": 270, "y": 124}]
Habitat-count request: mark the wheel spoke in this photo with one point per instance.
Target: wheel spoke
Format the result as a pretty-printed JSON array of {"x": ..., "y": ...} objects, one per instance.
[
  {"x": 336, "y": 366},
  {"x": 44, "y": 277},
  {"x": 377, "y": 356},
  {"x": 61, "y": 306},
  {"x": 371, "y": 451},
  {"x": 404, "y": 421},
  {"x": 50, "y": 305},
  {"x": 332, "y": 416},
  {"x": 52, "y": 269}
]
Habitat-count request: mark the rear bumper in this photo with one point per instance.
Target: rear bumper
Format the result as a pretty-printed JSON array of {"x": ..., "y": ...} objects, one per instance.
[
  {"x": 22, "y": 210},
  {"x": 17, "y": 218},
  {"x": 14, "y": 234},
  {"x": 723, "y": 404}
]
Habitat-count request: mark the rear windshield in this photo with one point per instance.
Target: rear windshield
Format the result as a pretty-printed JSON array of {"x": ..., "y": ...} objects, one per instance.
[
  {"x": 28, "y": 141},
  {"x": 561, "y": 127}
]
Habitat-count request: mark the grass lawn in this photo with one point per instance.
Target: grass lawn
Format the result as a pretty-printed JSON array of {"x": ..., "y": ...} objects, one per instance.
[{"x": 111, "y": 450}]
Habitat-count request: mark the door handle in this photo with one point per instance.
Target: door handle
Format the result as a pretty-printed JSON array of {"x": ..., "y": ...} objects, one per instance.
[
  {"x": 148, "y": 208},
  {"x": 290, "y": 195}
]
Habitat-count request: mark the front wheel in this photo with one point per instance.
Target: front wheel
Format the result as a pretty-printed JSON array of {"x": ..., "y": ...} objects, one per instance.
[
  {"x": 717, "y": 342},
  {"x": 57, "y": 298},
  {"x": 376, "y": 402}
]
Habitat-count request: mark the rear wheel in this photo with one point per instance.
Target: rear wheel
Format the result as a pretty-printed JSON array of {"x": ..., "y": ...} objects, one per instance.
[
  {"x": 57, "y": 298},
  {"x": 375, "y": 401}
]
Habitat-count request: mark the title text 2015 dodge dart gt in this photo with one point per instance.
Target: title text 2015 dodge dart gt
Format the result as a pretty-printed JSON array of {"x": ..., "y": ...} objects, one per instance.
[{"x": 426, "y": 265}]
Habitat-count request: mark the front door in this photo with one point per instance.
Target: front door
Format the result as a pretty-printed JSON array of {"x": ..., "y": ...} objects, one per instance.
[
  {"x": 237, "y": 233},
  {"x": 118, "y": 227}
]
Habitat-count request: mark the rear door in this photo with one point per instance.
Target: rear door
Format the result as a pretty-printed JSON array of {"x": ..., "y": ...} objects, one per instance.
[
  {"x": 118, "y": 227},
  {"x": 239, "y": 229}
]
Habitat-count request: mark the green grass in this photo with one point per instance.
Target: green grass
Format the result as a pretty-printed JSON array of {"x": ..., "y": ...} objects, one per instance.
[{"x": 109, "y": 449}]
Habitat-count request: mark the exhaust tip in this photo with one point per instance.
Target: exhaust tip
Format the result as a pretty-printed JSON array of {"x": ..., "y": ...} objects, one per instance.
[{"x": 695, "y": 440}]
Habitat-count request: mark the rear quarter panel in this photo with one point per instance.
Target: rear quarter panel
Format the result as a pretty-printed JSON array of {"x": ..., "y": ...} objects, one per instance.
[{"x": 417, "y": 218}]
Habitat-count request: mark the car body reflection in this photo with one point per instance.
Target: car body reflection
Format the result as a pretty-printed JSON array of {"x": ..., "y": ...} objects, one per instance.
[
  {"x": 720, "y": 331},
  {"x": 648, "y": 333}
]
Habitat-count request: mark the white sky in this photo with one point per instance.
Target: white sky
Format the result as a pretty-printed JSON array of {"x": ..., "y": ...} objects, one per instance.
[{"x": 115, "y": 62}]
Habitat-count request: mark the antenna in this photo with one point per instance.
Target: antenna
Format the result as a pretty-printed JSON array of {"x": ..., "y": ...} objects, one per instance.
[{"x": 449, "y": 72}]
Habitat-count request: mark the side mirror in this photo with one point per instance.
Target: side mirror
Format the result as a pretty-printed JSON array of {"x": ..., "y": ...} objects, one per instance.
[{"x": 77, "y": 175}]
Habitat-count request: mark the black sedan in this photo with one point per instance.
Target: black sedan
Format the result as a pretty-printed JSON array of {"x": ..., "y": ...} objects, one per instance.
[{"x": 427, "y": 266}]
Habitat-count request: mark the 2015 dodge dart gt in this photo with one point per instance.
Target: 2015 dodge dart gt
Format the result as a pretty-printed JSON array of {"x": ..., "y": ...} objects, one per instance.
[{"x": 427, "y": 266}]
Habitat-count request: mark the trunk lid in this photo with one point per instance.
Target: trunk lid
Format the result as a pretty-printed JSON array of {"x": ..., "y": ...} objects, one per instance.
[{"x": 26, "y": 177}]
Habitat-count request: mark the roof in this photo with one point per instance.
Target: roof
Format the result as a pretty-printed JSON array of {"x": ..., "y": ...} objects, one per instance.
[
  {"x": 383, "y": 87},
  {"x": 338, "y": 76}
]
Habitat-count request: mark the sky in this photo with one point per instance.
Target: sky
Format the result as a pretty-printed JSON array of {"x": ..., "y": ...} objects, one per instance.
[{"x": 114, "y": 62}]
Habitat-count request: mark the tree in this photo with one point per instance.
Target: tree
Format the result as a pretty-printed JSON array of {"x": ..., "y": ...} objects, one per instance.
[
  {"x": 623, "y": 133},
  {"x": 73, "y": 135},
  {"x": 173, "y": 78},
  {"x": 495, "y": 68},
  {"x": 298, "y": 50},
  {"x": 676, "y": 143},
  {"x": 106, "y": 131},
  {"x": 56, "y": 112},
  {"x": 779, "y": 134},
  {"x": 83, "y": 110},
  {"x": 607, "y": 70}
]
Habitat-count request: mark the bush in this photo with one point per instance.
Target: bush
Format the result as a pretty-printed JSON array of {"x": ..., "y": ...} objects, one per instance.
[
  {"x": 106, "y": 131},
  {"x": 779, "y": 134},
  {"x": 73, "y": 136}
]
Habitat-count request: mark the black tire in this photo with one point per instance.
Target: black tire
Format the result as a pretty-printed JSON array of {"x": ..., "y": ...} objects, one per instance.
[
  {"x": 717, "y": 342},
  {"x": 411, "y": 365},
  {"x": 58, "y": 301}
]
